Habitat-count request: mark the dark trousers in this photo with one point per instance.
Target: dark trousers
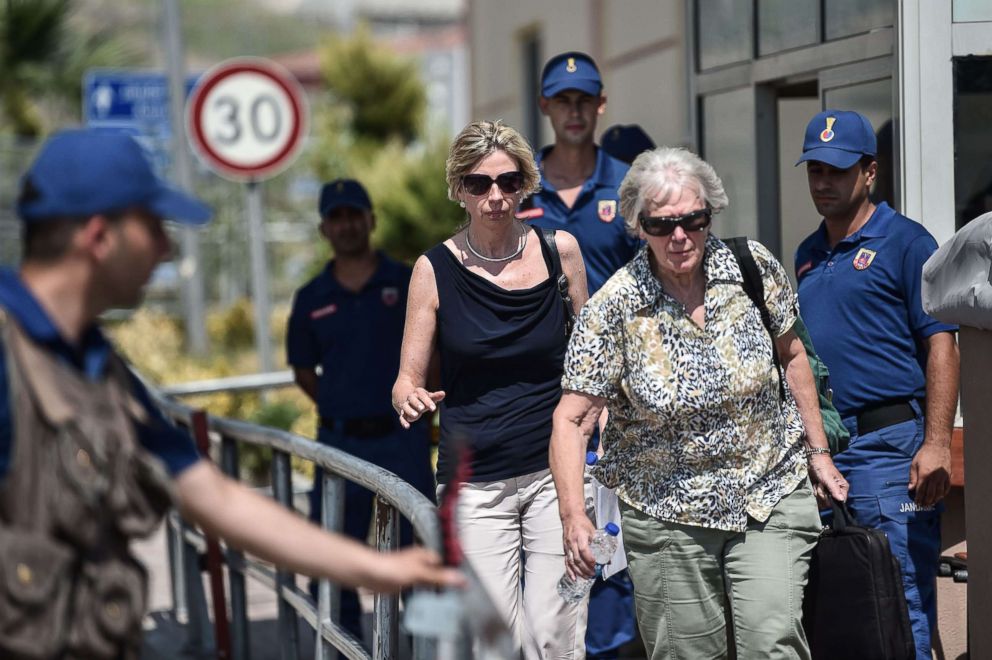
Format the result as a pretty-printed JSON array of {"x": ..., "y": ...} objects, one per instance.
[{"x": 406, "y": 454}]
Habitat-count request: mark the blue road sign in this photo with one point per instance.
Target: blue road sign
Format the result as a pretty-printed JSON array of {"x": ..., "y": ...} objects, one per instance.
[{"x": 135, "y": 102}]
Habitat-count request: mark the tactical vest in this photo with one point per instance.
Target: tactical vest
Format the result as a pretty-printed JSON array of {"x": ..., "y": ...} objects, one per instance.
[{"x": 79, "y": 488}]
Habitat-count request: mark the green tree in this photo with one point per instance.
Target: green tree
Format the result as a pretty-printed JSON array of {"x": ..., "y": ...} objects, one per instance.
[
  {"x": 412, "y": 207},
  {"x": 383, "y": 92},
  {"x": 42, "y": 58}
]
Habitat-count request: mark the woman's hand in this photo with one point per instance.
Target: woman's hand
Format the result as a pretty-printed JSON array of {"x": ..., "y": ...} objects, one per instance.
[
  {"x": 415, "y": 404},
  {"x": 827, "y": 480},
  {"x": 577, "y": 531}
]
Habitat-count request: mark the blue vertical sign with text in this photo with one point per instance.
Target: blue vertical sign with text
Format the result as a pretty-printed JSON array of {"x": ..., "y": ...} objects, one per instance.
[{"x": 135, "y": 102}]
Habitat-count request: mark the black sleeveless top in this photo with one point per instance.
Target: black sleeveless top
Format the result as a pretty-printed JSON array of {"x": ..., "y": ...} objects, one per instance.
[{"x": 501, "y": 366}]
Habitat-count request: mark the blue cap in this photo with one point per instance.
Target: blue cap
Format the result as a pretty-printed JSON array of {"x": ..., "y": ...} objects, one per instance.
[
  {"x": 612, "y": 529},
  {"x": 343, "y": 192},
  {"x": 839, "y": 138},
  {"x": 572, "y": 70},
  {"x": 625, "y": 142},
  {"x": 84, "y": 172}
]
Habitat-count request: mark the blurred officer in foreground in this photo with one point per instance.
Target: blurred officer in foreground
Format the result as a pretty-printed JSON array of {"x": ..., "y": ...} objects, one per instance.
[
  {"x": 894, "y": 368},
  {"x": 348, "y": 320},
  {"x": 87, "y": 463},
  {"x": 578, "y": 194}
]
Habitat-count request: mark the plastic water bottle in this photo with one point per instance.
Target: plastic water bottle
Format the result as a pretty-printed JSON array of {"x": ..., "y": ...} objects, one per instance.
[
  {"x": 602, "y": 546},
  {"x": 591, "y": 459}
]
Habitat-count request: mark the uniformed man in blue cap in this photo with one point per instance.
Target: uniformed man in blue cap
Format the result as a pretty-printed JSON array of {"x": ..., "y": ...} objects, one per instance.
[
  {"x": 348, "y": 321},
  {"x": 579, "y": 183},
  {"x": 893, "y": 368},
  {"x": 87, "y": 463}
]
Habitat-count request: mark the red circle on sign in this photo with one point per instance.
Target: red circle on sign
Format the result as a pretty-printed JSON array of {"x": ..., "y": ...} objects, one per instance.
[{"x": 202, "y": 143}]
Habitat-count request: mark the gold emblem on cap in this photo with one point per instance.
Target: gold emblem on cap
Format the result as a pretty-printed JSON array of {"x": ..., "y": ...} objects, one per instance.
[
  {"x": 340, "y": 186},
  {"x": 828, "y": 133},
  {"x": 570, "y": 65}
]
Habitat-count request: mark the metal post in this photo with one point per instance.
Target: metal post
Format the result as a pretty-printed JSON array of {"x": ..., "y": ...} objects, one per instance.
[
  {"x": 200, "y": 637},
  {"x": 259, "y": 276},
  {"x": 179, "y": 609},
  {"x": 288, "y": 631},
  {"x": 190, "y": 272},
  {"x": 385, "y": 622},
  {"x": 240, "y": 646},
  {"x": 328, "y": 593}
]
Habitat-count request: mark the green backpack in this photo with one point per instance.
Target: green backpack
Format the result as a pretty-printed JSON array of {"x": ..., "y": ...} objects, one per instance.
[{"x": 837, "y": 436}]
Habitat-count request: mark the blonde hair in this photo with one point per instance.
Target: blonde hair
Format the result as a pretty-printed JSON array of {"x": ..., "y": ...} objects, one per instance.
[
  {"x": 666, "y": 171},
  {"x": 480, "y": 139}
]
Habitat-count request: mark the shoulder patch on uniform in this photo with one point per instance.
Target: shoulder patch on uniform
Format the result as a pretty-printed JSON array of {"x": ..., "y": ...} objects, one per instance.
[
  {"x": 607, "y": 209},
  {"x": 802, "y": 269}
]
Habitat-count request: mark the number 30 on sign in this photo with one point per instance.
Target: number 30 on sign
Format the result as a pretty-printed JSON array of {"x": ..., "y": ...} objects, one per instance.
[{"x": 246, "y": 119}]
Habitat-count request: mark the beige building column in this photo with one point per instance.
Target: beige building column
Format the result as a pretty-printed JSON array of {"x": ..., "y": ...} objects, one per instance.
[{"x": 976, "y": 408}]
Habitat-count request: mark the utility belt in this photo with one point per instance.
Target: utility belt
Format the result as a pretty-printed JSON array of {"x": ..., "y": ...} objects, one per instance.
[
  {"x": 377, "y": 426},
  {"x": 885, "y": 414}
]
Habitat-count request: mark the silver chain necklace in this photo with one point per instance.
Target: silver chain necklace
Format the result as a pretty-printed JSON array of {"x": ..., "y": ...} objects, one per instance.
[{"x": 521, "y": 244}]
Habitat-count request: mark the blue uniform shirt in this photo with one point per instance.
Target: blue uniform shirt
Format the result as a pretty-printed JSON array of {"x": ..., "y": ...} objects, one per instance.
[
  {"x": 354, "y": 337},
  {"x": 861, "y": 302},
  {"x": 594, "y": 220},
  {"x": 173, "y": 446}
]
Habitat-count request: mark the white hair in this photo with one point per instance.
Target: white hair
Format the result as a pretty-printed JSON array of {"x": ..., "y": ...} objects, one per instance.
[{"x": 661, "y": 174}]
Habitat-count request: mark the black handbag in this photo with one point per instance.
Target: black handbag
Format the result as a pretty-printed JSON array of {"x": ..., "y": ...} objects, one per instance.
[{"x": 855, "y": 607}]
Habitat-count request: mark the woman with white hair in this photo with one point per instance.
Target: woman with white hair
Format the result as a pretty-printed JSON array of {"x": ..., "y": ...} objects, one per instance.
[{"x": 708, "y": 458}]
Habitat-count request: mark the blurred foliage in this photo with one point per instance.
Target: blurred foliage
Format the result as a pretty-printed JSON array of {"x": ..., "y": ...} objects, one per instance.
[
  {"x": 375, "y": 133},
  {"x": 382, "y": 91},
  {"x": 44, "y": 50},
  {"x": 413, "y": 211},
  {"x": 233, "y": 328},
  {"x": 154, "y": 343}
]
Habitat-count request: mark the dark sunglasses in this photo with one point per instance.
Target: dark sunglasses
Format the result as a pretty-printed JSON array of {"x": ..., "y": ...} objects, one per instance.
[
  {"x": 663, "y": 226},
  {"x": 481, "y": 184}
]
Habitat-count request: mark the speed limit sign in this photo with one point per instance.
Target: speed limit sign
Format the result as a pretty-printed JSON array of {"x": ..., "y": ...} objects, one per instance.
[{"x": 246, "y": 119}]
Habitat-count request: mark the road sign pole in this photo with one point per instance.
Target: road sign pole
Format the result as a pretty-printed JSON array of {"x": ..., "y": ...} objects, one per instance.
[
  {"x": 190, "y": 270},
  {"x": 259, "y": 276}
]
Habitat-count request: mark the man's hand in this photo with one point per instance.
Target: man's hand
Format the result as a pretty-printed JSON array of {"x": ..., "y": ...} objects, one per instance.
[
  {"x": 930, "y": 474},
  {"x": 577, "y": 531},
  {"x": 412, "y": 567},
  {"x": 416, "y": 403},
  {"x": 827, "y": 480}
]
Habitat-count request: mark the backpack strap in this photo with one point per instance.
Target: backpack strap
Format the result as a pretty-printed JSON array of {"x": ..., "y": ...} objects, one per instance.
[
  {"x": 755, "y": 289},
  {"x": 548, "y": 238}
]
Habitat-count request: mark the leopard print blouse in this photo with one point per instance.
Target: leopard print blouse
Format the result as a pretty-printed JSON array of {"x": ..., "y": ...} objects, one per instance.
[{"x": 698, "y": 433}]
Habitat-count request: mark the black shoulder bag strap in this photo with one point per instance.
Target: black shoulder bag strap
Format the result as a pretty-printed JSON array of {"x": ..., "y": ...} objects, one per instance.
[
  {"x": 755, "y": 290},
  {"x": 548, "y": 237}
]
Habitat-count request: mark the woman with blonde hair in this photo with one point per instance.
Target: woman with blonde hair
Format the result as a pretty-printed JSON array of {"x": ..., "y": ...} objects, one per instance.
[{"x": 488, "y": 299}]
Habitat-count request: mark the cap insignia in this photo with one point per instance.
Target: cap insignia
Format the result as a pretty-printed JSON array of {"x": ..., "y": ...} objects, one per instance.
[
  {"x": 828, "y": 133},
  {"x": 570, "y": 65},
  {"x": 340, "y": 187}
]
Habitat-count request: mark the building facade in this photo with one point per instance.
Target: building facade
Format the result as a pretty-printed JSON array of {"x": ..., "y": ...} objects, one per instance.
[{"x": 737, "y": 80}]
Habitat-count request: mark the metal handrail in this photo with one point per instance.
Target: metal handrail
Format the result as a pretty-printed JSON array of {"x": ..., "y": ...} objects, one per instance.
[{"x": 394, "y": 496}]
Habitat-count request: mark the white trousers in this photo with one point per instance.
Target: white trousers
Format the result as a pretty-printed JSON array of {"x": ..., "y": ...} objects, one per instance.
[{"x": 510, "y": 532}]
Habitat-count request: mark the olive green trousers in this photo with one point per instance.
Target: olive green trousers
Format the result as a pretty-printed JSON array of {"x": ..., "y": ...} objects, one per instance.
[{"x": 691, "y": 583}]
